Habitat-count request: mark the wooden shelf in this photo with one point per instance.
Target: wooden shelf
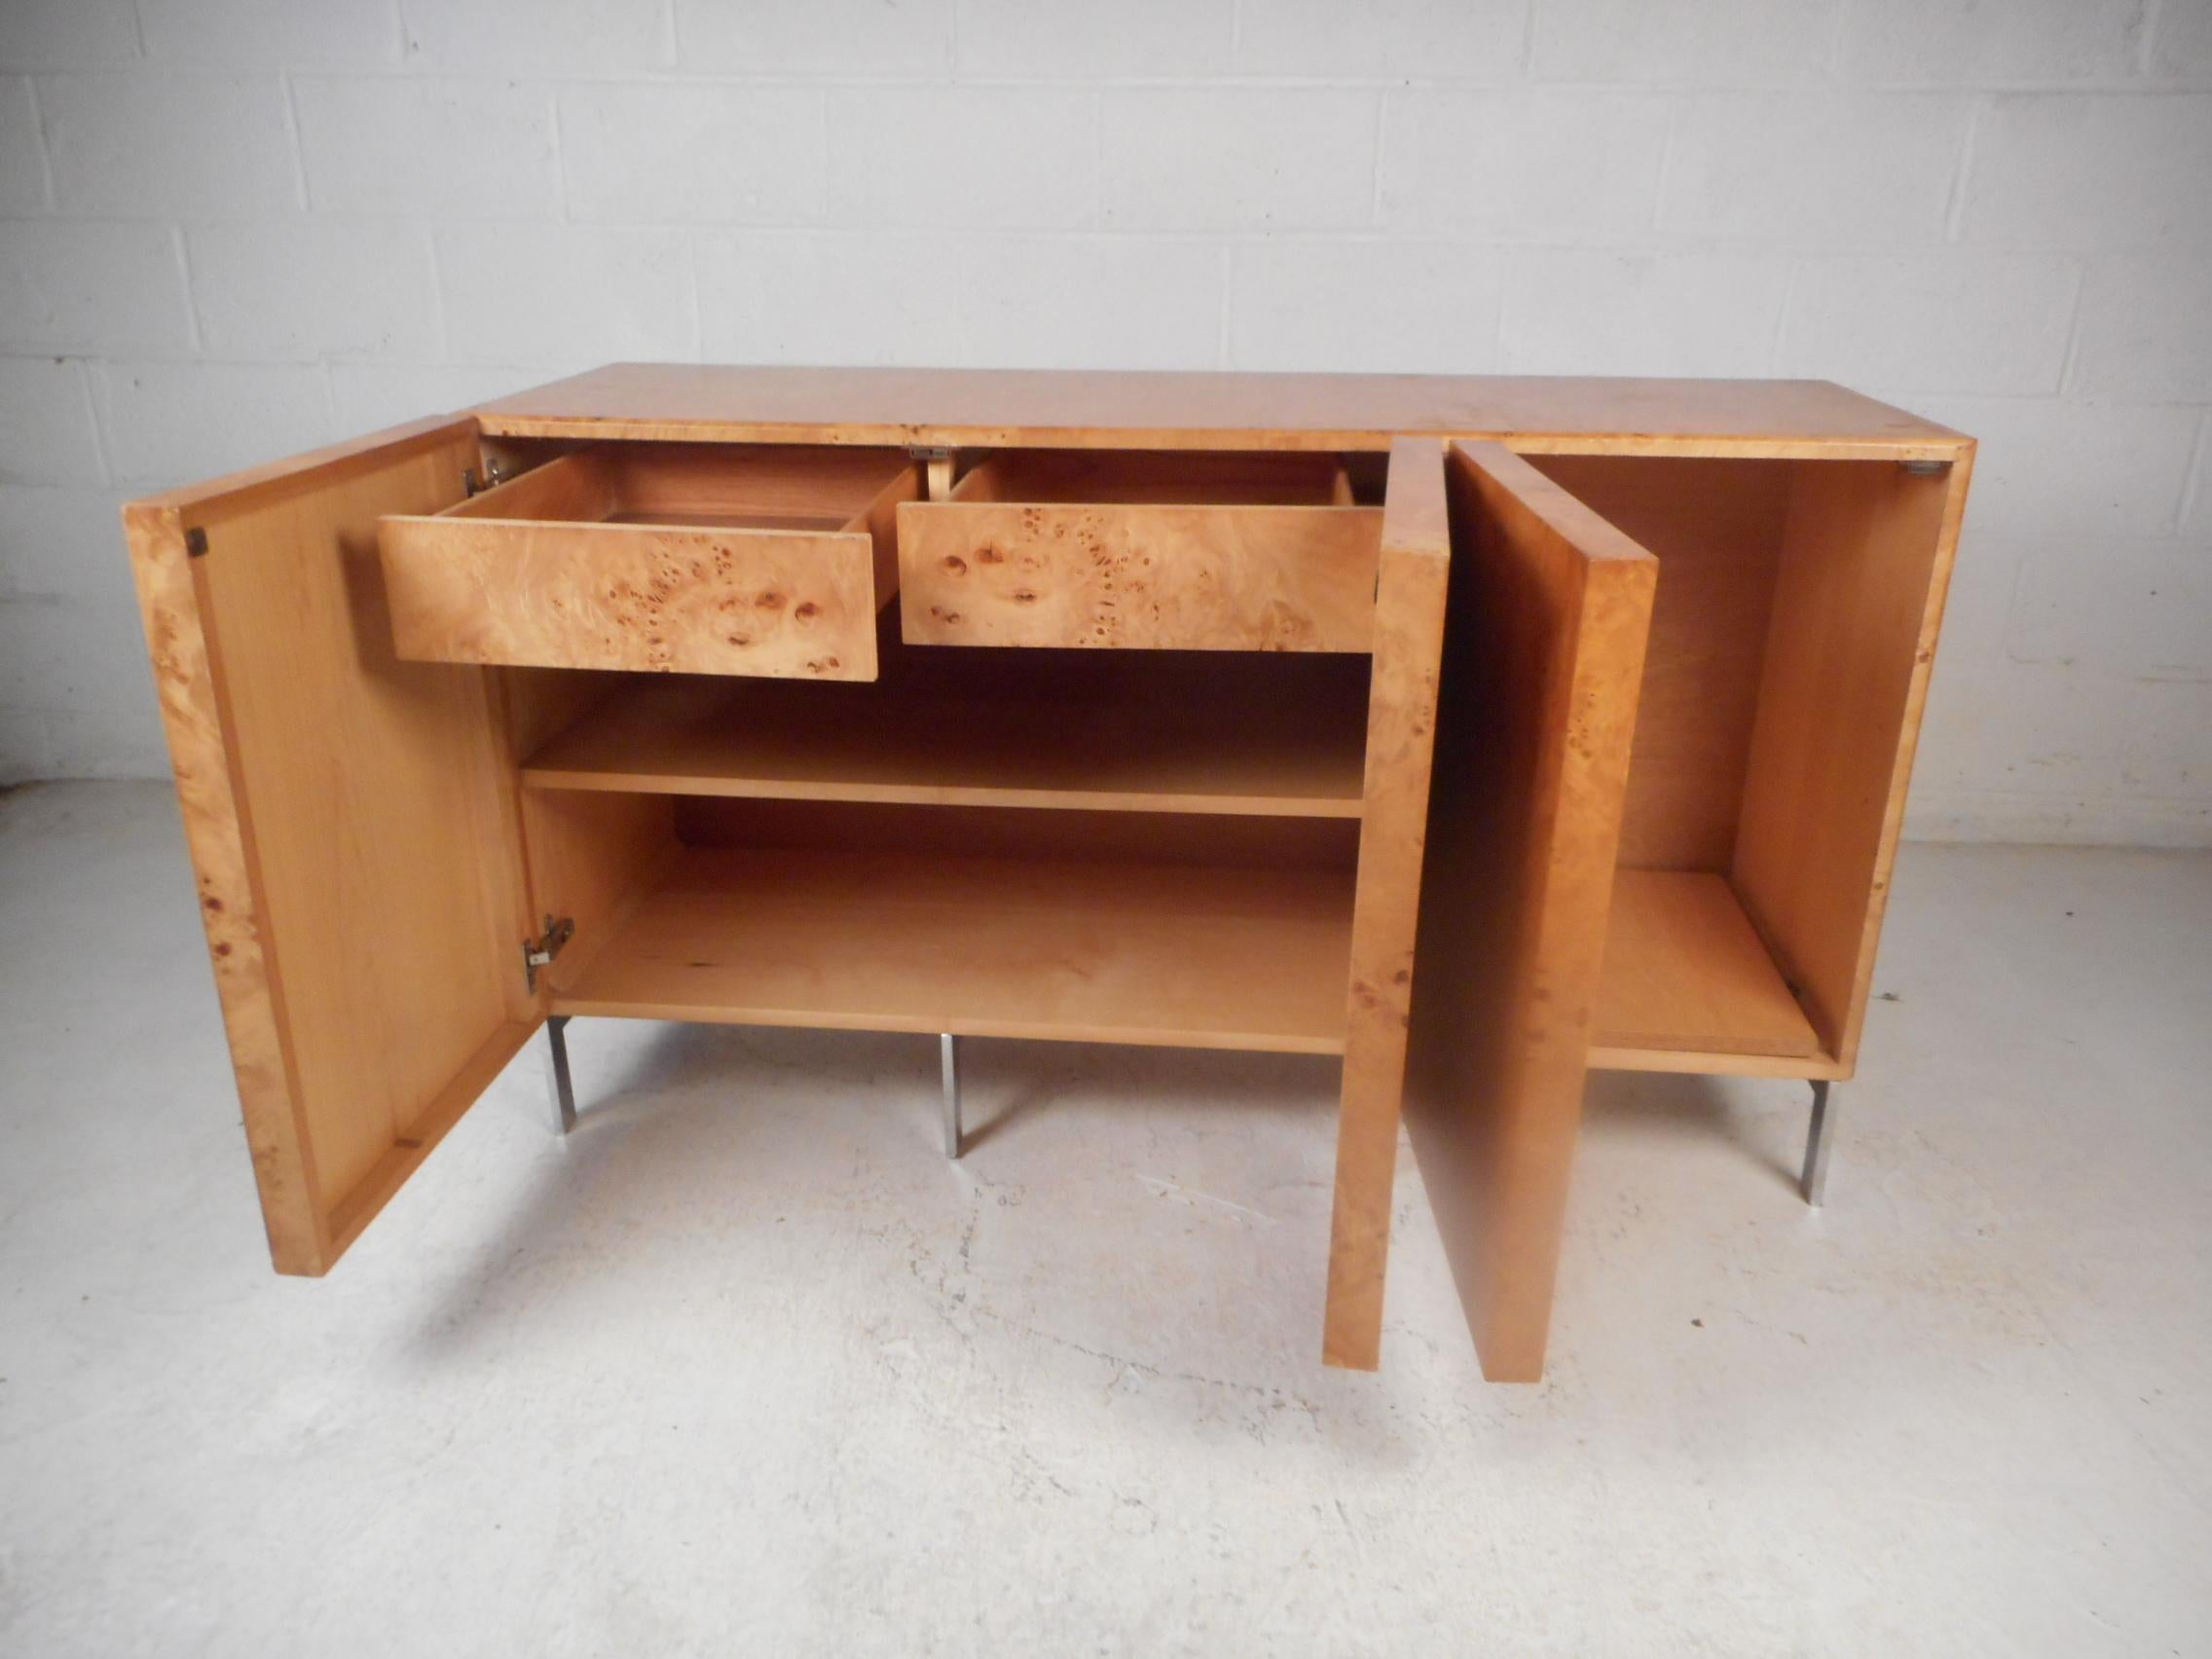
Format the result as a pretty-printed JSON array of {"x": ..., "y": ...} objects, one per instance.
[
  {"x": 941, "y": 744},
  {"x": 1179, "y": 955},
  {"x": 1688, "y": 985}
]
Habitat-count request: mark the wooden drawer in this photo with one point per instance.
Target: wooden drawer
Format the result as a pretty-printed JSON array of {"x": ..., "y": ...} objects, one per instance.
[
  {"x": 1177, "y": 552},
  {"x": 681, "y": 558}
]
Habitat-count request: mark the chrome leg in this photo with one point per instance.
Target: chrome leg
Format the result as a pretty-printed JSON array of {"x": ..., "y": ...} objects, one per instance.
[
  {"x": 1814, "y": 1182},
  {"x": 949, "y": 1053},
  {"x": 557, "y": 1070}
]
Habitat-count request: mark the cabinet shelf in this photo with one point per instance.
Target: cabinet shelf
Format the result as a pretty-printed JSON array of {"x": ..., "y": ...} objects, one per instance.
[
  {"x": 943, "y": 742},
  {"x": 1175, "y": 955},
  {"x": 1688, "y": 985}
]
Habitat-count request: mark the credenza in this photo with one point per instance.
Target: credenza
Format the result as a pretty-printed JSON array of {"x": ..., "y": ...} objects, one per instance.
[{"x": 1478, "y": 731}]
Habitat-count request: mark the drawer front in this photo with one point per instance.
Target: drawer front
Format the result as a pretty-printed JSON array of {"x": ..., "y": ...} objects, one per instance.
[
  {"x": 638, "y": 597},
  {"x": 1138, "y": 577}
]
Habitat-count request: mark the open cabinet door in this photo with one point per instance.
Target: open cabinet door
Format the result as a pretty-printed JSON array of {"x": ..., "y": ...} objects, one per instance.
[
  {"x": 351, "y": 820},
  {"x": 1545, "y": 626}
]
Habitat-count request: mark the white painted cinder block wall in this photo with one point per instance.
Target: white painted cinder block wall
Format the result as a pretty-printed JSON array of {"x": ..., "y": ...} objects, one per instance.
[{"x": 235, "y": 229}]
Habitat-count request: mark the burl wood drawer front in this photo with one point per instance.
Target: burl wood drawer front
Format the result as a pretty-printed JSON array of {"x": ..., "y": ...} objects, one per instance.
[
  {"x": 1173, "y": 552},
  {"x": 679, "y": 558}
]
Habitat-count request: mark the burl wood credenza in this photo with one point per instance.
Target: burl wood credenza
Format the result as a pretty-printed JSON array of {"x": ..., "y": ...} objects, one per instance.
[{"x": 1479, "y": 731}]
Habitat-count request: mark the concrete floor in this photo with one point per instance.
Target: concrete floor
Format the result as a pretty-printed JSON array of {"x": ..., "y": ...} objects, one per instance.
[{"x": 746, "y": 1366}]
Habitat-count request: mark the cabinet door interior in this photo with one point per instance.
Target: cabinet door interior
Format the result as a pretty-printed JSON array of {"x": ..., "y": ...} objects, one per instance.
[
  {"x": 1548, "y": 614},
  {"x": 352, "y": 824}
]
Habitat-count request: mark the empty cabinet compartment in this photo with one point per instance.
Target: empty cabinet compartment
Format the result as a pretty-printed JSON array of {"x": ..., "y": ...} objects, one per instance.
[
  {"x": 1137, "y": 550},
  {"x": 676, "y": 558}
]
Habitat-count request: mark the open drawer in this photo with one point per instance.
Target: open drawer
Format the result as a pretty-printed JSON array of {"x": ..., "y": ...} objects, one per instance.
[
  {"x": 681, "y": 558},
  {"x": 1124, "y": 548}
]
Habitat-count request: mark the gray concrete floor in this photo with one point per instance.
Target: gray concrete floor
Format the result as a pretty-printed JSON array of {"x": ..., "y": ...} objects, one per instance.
[{"x": 745, "y": 1366}]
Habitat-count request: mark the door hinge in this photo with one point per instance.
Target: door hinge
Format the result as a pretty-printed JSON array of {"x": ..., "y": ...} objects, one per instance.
[
  {"x": 537, "y": 952},
  {"x": 475, "y": 483},
  {"x": 195, "y": 542},
  {"x": 1926, "y": 468}
]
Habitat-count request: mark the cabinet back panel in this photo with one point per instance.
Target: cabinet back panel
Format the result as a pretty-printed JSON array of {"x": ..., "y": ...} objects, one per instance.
[
  {"x": 1717, "y": 528},
  {"x": 1153, "y": 838}
]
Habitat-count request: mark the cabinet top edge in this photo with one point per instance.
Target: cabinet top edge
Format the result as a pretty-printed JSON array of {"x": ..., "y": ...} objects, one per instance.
[{"x": 1167, "y": 409}]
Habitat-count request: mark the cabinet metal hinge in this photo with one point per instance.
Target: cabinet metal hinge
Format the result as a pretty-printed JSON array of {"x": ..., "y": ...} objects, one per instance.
[
  {"x": 195, "y": 542},
  {"x": 476, "y": 484},
  {"x": 537, "y": 952},
  {"x": 929, "y": 452},
  {"x": 1926, "y": 468}
]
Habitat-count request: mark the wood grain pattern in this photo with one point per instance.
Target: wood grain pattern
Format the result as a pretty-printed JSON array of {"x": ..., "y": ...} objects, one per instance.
[
  {"x": 1866, "y": 564},
  {"x": 1410, "y": 593},
  {"x": 895, "y": 740},
  {"x": 1097, "y": 558},
  {"x": 1081, "y": 948},
  {"x": 663, "y": 558},
  {"x": 590, "y": 857},
  {"x": 1715, "y": 528},
  {"x": 1003, "y": 408},
  {"x": 349, "y": 826},
  {"x": 1543, "y": 654},
  {"x": 636, "y": 597},
  {"x": 1685, "y": 970}
]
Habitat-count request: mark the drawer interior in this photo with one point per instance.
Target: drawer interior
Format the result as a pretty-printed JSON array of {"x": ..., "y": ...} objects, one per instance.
[
  {"x": 1131, "y": 478},
  {"x": 696, "y": 486}
]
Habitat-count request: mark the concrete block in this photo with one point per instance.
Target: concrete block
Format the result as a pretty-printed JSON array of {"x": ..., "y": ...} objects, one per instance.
[
  {"x": 278, "y": 33},
  {"x": 23, "y": 151},
  {"x": 370, "y": 396},
  {"x": 565, "y": 294},
  {"x": 2197, "y": 512},
  {"x": 1704, "y": 41},
  {"x": 1932, "y": 321},
  {"x": 83, "y": 671},
  {"x": 168, "y": 143},
  {"x": 1955, "y": 43},
  {"x": 105, "y": 287},
  {"x": 1395, "y": 307},
  {"x": 1179, "y": 39},
  {"x": 45, "y": 423},
  {"x": 462, "y": 148},
  {"x": 2137, "y": 610},
  {"x": 1275, "y": 159},
  {"x": 1818, "y": 169},
  {"x": 708, "y": 154},
  {"x": 2146, "y": 330},
  {"x": 62, "y": 544},
  {"x": 980, "y": 157},
  {"x": 1545, "y": 162},
  {"x": 854, "y": 37},
  {"x": 2097, "y": 171},
  {"x": 521, "y": 37},
  {"x": 2181, "y": 47},
  {"x": 66, "y": 34},
  {"x": 1451, "y": 40},
  {"x": 168, "y": 424},
  {"x": 310, "y": 288},
  {"x": 1591, "y": 313},
  {"x": 2089, "y": 472},
  {"x": 1004, "y": 300}
]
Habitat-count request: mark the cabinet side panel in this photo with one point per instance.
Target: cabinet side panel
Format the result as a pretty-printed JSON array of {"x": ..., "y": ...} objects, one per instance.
[
  {"x": 1544, "y": 642},
  {"x": 1401, "y": 727},
  {"x": 1859, "y": 599}
]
